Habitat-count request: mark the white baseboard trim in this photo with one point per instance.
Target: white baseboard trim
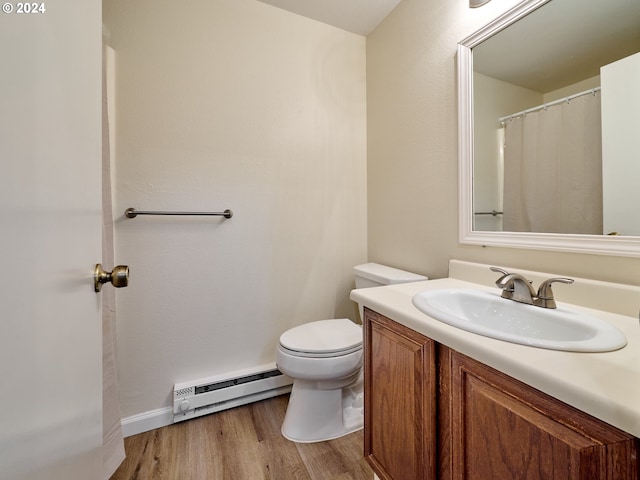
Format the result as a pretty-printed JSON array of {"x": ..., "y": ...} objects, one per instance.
[{"x": 143, "y": 422}]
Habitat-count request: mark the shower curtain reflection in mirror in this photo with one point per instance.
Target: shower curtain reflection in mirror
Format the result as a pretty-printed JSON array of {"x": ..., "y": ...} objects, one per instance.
[{"x": 553, "y": 169}]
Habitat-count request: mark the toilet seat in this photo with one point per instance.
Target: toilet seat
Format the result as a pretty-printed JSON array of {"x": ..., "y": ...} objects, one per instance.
[
  {"x": 323, "y": 338},
  {"x": 295, "y": 353}
]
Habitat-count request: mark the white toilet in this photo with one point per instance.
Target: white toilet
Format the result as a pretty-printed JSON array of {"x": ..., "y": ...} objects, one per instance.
[{"x": 324, "y": 358}]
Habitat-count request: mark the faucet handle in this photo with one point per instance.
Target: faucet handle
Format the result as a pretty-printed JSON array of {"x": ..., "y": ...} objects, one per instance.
[
  {"x": 499, "y": 270},
  {"x": 545, "y": 294},
  {"x": 507, "y": 290}
]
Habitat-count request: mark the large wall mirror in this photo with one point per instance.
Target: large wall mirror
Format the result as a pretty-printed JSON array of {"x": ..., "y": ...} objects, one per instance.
[{"x": 549, "y": 136}]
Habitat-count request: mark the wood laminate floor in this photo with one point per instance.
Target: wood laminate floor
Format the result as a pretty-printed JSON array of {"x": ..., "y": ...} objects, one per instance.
[{"x": 243, "y": 443}]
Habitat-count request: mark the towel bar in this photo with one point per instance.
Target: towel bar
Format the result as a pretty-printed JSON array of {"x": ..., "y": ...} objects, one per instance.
[{"x": 133, "y": 213}]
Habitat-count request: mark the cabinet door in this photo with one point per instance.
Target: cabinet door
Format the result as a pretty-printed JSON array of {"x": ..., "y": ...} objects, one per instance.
[
  {"x": 400, "y": 392},
  {"x": 499, "y": 428}
]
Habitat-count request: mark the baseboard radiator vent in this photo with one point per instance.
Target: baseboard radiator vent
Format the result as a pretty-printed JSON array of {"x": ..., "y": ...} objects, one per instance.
[{"x": 208, "y": 395}]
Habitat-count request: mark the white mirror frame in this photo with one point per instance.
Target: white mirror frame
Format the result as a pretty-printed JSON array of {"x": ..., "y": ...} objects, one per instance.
[{"x": 596, "y": 244}]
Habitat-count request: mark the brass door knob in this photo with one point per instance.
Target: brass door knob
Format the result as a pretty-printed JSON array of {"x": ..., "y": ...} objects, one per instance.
[{"x": 119, "y": 277}]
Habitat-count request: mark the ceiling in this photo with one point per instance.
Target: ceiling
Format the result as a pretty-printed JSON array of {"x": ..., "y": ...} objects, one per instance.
[
  {"x": 561, "y": 43},
  {"x": 357, "y": 16}
]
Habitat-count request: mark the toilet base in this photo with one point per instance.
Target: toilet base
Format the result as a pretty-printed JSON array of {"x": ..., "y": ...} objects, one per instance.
[{"x": 315, "y": 415}]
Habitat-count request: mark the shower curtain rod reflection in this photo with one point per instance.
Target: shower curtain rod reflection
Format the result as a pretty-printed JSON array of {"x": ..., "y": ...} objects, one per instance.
[
  {"x": 133, "y": 213},
  {"x": 591, "y": 91}
]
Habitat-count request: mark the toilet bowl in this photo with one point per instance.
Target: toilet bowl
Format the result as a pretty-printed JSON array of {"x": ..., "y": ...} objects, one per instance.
[
  {"x": 324, "y": 358},
  {"x": 321, "y": 407}
]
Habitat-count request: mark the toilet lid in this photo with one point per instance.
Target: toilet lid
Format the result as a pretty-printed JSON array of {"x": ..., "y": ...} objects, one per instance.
[{"x": 324, "y": 336}]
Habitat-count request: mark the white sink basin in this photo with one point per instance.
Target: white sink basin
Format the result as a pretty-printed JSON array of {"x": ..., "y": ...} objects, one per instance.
[{"x": 490, "y": 315}]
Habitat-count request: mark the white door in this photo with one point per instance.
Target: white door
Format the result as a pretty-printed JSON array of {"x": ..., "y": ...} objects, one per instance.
[
  {"x": 50, "y": 224},
  {"x": 620, "y": 145}
]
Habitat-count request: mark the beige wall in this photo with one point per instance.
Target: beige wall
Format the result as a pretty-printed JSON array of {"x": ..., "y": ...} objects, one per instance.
[
  {"x": 231, "y": 104},
  {"x": 578, "y": 87},
  {"x": 412, "y": 145},
  {"x": 236, "y": 104},
  {"x": 493, "y": 99}
]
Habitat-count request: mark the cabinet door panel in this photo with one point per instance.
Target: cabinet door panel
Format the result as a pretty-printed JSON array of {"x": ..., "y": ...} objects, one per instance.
[
  {"x": 511, "y": 440},
  {"x": 503, "y": 429},
  {"x": 399, "y": 400}
]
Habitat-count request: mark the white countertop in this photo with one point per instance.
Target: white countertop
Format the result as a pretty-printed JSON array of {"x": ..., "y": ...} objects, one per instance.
[{"x": 605, "y": 385}]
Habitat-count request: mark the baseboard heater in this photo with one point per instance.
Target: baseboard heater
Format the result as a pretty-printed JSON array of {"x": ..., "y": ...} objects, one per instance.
[{"x": 208, "y": 395}]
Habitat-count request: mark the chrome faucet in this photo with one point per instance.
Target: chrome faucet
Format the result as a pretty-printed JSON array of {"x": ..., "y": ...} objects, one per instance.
[
  {"x": 519, "y": 289},
  {"x": 515, "y": 286}
]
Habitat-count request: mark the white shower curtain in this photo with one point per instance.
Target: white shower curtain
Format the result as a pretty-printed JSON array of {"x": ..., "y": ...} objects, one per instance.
[
  {"x": 112, "y": 441},
  {"x": 553, "y": 169}
]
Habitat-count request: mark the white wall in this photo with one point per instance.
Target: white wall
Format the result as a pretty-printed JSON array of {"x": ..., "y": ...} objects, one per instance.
[
  {"x": 412, "y": 145},
  {"x": 231, "y": 104}
]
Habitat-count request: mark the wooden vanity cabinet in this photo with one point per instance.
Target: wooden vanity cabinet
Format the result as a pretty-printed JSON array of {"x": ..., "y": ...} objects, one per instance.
[
  {"x": 471, "y": 422},
  {"x": 400, "y": 396}
]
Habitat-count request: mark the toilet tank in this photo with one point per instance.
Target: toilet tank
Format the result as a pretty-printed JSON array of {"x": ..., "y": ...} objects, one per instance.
[{"x": 376, "y": 275}]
